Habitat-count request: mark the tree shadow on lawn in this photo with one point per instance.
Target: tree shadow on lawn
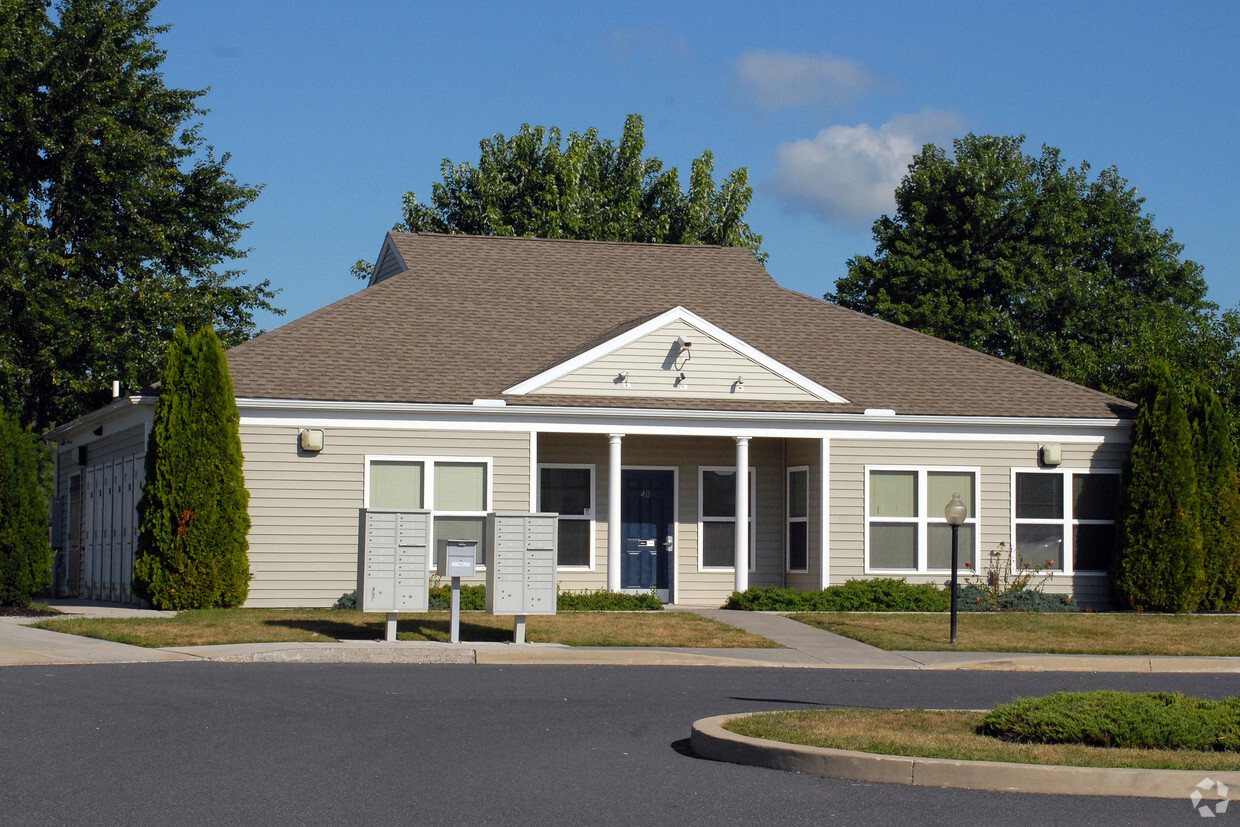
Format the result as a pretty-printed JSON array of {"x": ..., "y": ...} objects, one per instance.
[{"x": 417, "y": 628}]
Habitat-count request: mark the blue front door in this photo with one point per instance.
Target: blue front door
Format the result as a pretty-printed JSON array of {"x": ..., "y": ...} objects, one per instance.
[{"x": 647, "y": 515}]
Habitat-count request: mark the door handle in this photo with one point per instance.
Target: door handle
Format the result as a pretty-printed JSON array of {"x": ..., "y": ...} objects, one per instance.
[{"x": 667, "y": 544}]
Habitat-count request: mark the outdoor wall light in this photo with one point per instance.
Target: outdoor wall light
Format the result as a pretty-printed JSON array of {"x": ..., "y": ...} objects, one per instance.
[
  {"x": 310, "y": 440},
  {"x": 1052, "y": 453},
  {"x": 740, "y": 383},
  {"x": 622, "y": 379},
  {"x": 955, "y": 513}
]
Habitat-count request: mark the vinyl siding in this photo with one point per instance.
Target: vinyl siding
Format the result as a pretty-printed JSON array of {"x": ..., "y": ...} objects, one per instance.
[
  {"x": 305, "y": 508},
  {"x": 653, "y": 364},
  {"x": 808, "y": 452},
  {"x": 996, "y": 461},
  {"x": 389, "y": 263}
]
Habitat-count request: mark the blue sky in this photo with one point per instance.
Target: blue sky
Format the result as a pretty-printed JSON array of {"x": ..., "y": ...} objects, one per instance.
[{"x": 338, "y": 108}]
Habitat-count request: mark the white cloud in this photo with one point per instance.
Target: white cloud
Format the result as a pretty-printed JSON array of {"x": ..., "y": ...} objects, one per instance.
[
  {"x": 848, "y": 174},
  {"x": 781, "y": 79}
]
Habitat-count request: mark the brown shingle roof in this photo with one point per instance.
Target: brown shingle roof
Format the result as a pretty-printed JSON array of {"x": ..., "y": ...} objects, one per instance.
[{"x": 473, "y": 316}]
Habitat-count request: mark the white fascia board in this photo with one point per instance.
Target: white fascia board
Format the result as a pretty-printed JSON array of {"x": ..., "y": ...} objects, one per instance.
[
  {"x": 125, "y": 406},
  {"x": 650, "y": 421},
  {"x": 676, "y": 314}
]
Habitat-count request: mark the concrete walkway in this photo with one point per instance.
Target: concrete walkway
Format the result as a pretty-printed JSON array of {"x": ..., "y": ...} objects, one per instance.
[
  {"x": 804, "y": 647},
  {"x": 21, "y": 645}
]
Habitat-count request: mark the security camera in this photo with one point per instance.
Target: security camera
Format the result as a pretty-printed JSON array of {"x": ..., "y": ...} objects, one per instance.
[{"x": 683, "y": 342}]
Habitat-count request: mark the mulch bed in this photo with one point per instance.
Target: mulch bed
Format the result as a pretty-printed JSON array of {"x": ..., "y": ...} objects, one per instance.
[{"x": 24, "y": 611}]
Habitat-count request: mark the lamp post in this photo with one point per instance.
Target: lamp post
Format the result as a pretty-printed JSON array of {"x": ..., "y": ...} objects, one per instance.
[{"x": 955, "y": 512}]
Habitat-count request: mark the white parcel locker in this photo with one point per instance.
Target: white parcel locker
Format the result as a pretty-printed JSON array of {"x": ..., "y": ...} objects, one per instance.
[
  {"x": 521, "y": 563},
  {"x": 393, "y": 568}
]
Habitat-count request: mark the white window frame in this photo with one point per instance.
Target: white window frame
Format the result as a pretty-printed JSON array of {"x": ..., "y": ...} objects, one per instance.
[
  {"x": 753, "y": 517},
  {"x": 1067, "y": 522},
  {"x": 428, "y": 489},
  {"x": 927, "y": 513},
  {"x": 590, "y": 517},
  {"x": 789, "y": 519}
]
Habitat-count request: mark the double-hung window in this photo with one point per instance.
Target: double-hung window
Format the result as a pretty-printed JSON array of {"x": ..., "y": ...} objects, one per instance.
[
  {"x": 456, "y": 491},
  {"x": 905, "y": 527},
  {"x": 798, "y": 519},
  {"x": 568, "y": 490},
  {"x": 1065, "y": 519},
  {"x": 717, "y": 516}
]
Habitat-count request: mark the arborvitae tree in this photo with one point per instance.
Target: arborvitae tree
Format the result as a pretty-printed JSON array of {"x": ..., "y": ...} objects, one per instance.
[
  {"x": 25, "y": 556},
  {"x": 1158, "y": 555},
  {"x": 194, "y": 508},
  {"x": 1219, "y": 501}
]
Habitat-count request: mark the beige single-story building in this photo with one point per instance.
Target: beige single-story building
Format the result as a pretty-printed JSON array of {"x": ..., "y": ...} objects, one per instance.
[{"x": 696, "y": 427}]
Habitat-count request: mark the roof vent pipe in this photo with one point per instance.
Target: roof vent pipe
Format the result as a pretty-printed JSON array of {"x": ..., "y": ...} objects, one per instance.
[{"x": 116, "y": 388}]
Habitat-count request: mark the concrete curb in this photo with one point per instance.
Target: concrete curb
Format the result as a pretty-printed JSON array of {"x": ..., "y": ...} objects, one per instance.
[
  {"x": 710, "y": 740},
  {"x": 327, "y": 653}
]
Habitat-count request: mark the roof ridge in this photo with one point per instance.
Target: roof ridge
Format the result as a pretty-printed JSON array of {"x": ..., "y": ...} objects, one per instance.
[{"x": 575, "y": 241}]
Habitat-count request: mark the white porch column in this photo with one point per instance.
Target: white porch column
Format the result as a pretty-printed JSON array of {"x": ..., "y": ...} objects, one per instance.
[
  {"x": 614, "y": 495},
  {"x": 742, "y": 513}
]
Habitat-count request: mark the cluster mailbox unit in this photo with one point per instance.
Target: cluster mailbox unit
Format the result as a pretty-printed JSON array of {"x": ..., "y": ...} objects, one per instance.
[
  {"x": 394, "y": 564},
  {"x": 521, "y": 568},
  {"x": 393, "y": 574}
]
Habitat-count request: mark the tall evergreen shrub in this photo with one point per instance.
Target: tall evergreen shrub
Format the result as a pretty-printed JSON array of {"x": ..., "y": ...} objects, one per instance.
[
  {"x": 194, "y": 508},
  {"x": 1158, "y": 555},
  {"x": 25, "y": 556},
  {"x": 1219, "y": 501}
]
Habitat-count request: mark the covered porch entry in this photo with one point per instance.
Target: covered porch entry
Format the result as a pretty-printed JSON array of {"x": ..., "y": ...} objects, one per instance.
[{"x": 684, "y": 517}]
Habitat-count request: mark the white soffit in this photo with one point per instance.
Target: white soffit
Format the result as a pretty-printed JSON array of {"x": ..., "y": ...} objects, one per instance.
[{"x": 539, "y": 381}]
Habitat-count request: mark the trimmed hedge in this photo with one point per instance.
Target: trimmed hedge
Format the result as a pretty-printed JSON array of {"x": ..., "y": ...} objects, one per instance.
[
  {"x": 883, "y": 594},
  {"x": 602, "y": 600},
  {"x": 1107, "y": 718},
  {"x": 971, "y": 598},
  {"x": 473, "y": 598}
]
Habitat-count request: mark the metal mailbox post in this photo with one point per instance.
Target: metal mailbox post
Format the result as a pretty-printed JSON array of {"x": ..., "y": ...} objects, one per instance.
[
  {"x": 456, "y": 559},
  {"x": 392, "y": 567},
  {"x": 521, "y": 566}
]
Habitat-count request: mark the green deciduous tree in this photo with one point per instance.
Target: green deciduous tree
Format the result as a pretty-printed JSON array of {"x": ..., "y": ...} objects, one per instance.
[
  {"x": 115, "y": 215},
  {"x": 25, "y": 556},
  {"x": 1026, "y": 259},
  {"x": 1218, "y": 493},
  {"x": 536, "y": 183},
  {"x": 193, "y": 516},
  {"x": 1158, "y": 557}
]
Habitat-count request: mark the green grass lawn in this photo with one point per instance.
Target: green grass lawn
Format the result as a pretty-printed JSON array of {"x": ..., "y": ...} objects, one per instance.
[
  {"x": 951, "y": 734},
  {"x": 1084, "y": 633},
  {"x": 219, "y": 626}
]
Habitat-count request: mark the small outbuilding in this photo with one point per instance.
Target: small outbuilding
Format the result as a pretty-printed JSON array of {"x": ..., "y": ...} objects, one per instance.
[{"x": 696, "y": 427}]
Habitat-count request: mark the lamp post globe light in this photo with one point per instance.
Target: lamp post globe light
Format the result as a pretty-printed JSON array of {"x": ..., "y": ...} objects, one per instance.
[{"x": 955, "y": 513}]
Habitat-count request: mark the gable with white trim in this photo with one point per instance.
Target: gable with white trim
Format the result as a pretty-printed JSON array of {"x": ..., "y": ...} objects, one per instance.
[{"x": 676, "y": 355}]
